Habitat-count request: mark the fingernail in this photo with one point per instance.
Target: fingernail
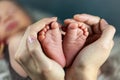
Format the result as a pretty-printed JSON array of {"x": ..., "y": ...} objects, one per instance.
[{"x": 31, "y": 39}]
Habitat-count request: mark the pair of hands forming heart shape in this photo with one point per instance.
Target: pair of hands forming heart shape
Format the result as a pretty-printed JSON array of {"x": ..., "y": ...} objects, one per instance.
[
  {"x": 77, "y": 35},
  {"x": 39, "y": 67},
  {"x": 63, "y": 50}
]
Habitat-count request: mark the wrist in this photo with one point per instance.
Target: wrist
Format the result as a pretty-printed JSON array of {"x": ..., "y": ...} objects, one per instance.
[{"x": 86, "y": 73}]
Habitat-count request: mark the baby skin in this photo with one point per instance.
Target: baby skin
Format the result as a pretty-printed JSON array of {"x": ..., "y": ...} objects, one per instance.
[
  {"x": 74, "y": 39},
  {"x": 51, "y": 41}
]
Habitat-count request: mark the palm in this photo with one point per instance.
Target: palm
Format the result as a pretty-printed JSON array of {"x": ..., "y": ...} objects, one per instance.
[{"x": 36, "y": 64}]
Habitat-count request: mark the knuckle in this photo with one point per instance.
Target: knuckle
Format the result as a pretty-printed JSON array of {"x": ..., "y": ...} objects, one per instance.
[
  {"x": 111, "y": 27},
  {"x": 18, "y": 58}
]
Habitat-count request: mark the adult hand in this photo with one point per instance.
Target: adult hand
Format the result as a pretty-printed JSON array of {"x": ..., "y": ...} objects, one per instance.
[
  {"x": 31, "y": 57},
  {"x": 87, "y": 63}
]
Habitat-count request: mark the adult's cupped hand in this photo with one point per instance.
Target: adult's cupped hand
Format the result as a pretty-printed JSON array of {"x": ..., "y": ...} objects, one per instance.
[{"x": 32, "y": 58}]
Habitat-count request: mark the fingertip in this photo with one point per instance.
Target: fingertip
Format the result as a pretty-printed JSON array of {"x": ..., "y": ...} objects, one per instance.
[
  {"x": 66, "y": 21},
  {"x": 54, "y": 25},
  {"x": 80, "y": 17},
  {"x": 88, "y": 19},
  {"x": 104, "y": 21},
  {"x": 77, "y": 15},
  {"x": 54, "y": 18},
  {"x": 113, "y": 28},
  {"x": 49, "y": 20},
  {"x": 108, "y": 33},
  {"x": 104, "y": 24}
]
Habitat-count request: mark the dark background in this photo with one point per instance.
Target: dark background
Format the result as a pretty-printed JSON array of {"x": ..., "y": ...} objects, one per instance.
[{"x": 107, "y": 9}]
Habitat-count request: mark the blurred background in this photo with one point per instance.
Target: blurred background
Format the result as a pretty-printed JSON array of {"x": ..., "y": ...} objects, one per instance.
[
  {"x": 63, "y": 9},
  {"x": 108, "y": 9}
]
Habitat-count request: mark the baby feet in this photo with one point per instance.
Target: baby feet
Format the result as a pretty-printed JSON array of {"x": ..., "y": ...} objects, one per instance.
[
  {"x": 74, "y": 40},
  {"x": 51, "y": 41}
]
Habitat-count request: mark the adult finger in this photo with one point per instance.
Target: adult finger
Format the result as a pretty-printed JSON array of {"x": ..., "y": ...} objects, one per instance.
[
  {"x": 32, "y": 30},
  {"x": 68, "y": 21},
  {"x": 36, "y": 27},
  {"x": 88, "y": 19},
  {"x": 25, "y": 60},
  {"x": 108, "y": 31},
  {"x": 40, "y": 24},
  {"x": 36, "y": 51}
]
